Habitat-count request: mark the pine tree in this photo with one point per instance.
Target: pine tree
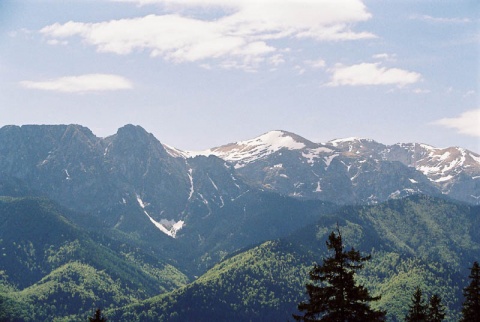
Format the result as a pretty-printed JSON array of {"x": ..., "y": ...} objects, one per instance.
[
  {"x": 471, "y": 305},
  {"x": 338, "y": 298},
  {"x": 436, "y": 310},
  {"x": 98, "y": 317},
  {"x": 418, "y": 310}
]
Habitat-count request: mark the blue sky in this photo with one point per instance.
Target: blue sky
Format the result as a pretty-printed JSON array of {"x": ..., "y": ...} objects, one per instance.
[{"x": 201, "y": 73}]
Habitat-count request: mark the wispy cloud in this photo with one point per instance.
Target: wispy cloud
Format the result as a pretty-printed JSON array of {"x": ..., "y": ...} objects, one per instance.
[
  {"x": 428, "y": 18},
  {"x": 319, "y": 63},
  {"x": 386, "y": 57},
  {"x": 467, "y": 123},
  {"x": 81, "y": 83},
  {"x": 371, "y": 74},
  {"x": 421, "y": 91},
  {"x": 242, "y": 36}
]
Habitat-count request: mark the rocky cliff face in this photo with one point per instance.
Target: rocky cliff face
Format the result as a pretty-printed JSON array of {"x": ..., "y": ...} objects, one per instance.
[
  {"x": 353, "y": 170},
  {"x": 128, "y": 172},
  {"x": 131, "y": 179}
]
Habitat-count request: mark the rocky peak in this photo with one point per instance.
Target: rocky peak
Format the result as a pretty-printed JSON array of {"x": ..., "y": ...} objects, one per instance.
[
  {"x": 247, "y": 151},
  {"x": 133, "y": 141}
]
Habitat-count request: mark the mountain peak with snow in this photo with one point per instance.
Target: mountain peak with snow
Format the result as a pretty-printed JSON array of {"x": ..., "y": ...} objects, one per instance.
[
  {"x": 352, "y": 139},
  {"x": 250, "y": 150},
  {"x": 285, "y": 162}
]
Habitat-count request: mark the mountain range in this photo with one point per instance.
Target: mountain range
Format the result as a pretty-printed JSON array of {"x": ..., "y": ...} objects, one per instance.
[
  {"x": 144, "y": 219},
  {"x": 132, "y": 169},
  {"x": 289, "y": 164}
]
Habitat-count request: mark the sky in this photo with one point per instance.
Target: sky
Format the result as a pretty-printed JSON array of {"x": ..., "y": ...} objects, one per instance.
[{"x": 203, "y": 73}]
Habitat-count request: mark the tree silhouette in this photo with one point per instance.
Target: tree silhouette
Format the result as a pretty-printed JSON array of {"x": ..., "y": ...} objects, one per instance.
[
  {"x": 436, "y": 310},
  {"x": 338, "y": 298},
  {"x": 471, "y": 305},
  {"x": 98, "y": 317},
  {"x": 418, "y": 309}
]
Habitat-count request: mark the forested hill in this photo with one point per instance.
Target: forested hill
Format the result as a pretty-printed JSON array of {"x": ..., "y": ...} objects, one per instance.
[
  {"x": 417, "y": 241},
  {"x": 51, "y": 267}
]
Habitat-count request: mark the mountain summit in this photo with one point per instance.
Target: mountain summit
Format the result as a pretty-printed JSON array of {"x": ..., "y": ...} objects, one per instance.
[
  {"x": 244, "y": 152},
  {"x": 352, "y": 170}
]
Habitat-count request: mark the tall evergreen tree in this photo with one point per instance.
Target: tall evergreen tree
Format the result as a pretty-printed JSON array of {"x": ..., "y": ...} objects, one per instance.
[
  {"x": 418, "y": 309},
  {"x": 337, "y": 298},
  {"x": 436, "y": 310},
  {"x": 98, "y": 317},
  {"x": 471, "y": 305}
]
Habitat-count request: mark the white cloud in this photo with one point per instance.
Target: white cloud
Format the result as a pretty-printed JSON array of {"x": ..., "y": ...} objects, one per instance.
[
  {"x": 386, "y": 57},
  {"x": 81, "y": 84},
  {"x": 299, "y": 69},
  {"x": 319, "y": 63},
  {"x": 467, "y": 123},
  {"x": 276, "y": 60},
  {"x": 440, "y": 20},
  {"x": 371, "y": 74},
  {"x": 241, "y": 35}
]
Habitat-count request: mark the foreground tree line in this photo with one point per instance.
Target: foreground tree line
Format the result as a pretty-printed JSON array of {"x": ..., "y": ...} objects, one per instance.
[{"x": 334, "y": 295}]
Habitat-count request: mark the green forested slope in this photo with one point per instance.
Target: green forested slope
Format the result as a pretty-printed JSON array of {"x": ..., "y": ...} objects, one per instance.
[
  {"x": 50, "y": 267},
  {"x": 259, "y": 284},
  {"x": 417, "y": 241}
]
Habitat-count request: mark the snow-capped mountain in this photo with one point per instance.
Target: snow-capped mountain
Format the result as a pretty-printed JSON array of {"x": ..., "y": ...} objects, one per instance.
[
  {"x": 352, "y": 170},
  {"x": 244, "y": 152},
  {"x": 455, "y": 171},
  {"x": 134, "y": 183}
]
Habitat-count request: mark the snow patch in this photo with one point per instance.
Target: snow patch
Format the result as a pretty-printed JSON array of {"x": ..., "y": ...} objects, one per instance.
[
  {"x": 174, "y": 152},
  {"x": 213, "y": 183},
  {"x": 427, "y": 170},
  {"x": 234, "y": 179},
  {"x": 405, "y": 192},
  {"x": 444, "y": 156},
  {"x": 244, "y": 152},
  {"x": 106, "y": 150},
  {"x": 477, "y": 159},
  {"x": 190, "y": 177},
  {"x": 355, "y": 176},
  {"x": 168, "y": 227},
  {"x": 223, "y": 202},
  {"x": 140, "y": 202},
  {"x": 329, "y": 159},
  {"x": 336, "y": 142},
  {"x": 427, "y": 147},
  {"x": 443, "y": 179},
  {"x": 172, "y": 226},
  {"x": 313, "y": 154},
  {"x": 205, "y": 201}
]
